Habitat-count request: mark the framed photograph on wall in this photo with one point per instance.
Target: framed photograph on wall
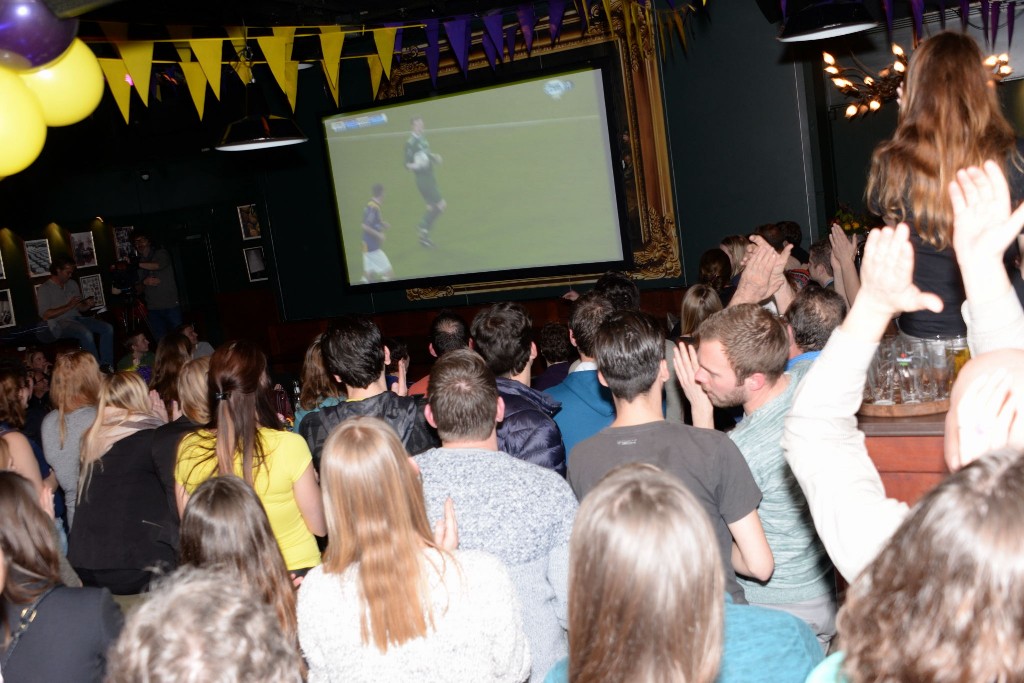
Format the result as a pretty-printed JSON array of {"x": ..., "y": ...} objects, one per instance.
[
  {"x": 3, "y": 273},
  {"x": 249, "y": 221},
  {"x": 6, "y": 309},
  {"x": 83, "y": 249},
  {"x": 92, "y": 285},
  {"x": 123, "y": 242},
  {"x": 37, "y": 255},
  {"x": 254, "y": 264}
]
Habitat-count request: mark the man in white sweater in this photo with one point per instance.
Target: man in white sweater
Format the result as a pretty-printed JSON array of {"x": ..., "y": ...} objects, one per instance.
[
  {"x": 823, "y": 446},
  {"x": 518, "y": 511}
]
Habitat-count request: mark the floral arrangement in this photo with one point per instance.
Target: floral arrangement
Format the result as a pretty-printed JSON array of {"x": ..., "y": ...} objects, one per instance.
[{"x": 852, "y": 223}]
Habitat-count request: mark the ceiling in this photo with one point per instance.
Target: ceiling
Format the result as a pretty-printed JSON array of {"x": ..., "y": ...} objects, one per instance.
[{"x": 268, "y": 12}]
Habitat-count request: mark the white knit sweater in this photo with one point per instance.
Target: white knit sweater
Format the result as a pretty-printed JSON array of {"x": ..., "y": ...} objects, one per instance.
[{"x": 478, "y": 634}]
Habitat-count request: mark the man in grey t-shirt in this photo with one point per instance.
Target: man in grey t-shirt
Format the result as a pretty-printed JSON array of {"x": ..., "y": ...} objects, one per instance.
[
  {"x": 60, "y": 304},
  {"x": 157, "y": 276},
  {"x": 630, "y": 355}
]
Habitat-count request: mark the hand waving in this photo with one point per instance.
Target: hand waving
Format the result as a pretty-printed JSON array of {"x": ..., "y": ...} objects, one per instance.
[
  {"x": 983, "y": 226},
  {"x": 887, "y": 273}
]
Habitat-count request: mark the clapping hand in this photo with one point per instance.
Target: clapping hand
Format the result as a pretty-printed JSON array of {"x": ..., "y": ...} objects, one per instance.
[
  {"x": 990, "y": 415},
  {"x": 887, "y": 274},
  {"x": 844, "y": 249},
  {"x": 446, "y": 531},
  {"x": 983, "y": 227}
]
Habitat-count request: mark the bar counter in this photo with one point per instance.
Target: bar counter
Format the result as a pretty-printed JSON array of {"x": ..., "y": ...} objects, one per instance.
[{"x": 907, "y": 452}]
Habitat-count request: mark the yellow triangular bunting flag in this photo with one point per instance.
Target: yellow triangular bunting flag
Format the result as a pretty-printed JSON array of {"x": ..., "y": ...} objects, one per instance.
[
  {"x": 209, "y": 52},
  {"x": 196, "y": 80},
  {"x": 274, "y": 49},
  {"x": 291, "y": 83},
  {"x": 330, "y": 45},
  {"x": 385, "y": 41},
  {"x": 237, "y": 35},
  {"x": 376, "y": 71},
  {"x": 138, "y": 59},
  {"x": 184, "y": 53},
  {"x": 243, "y": 70},
  {"x": 115, "y": 72},
  {"x": 287, "y": 32}
]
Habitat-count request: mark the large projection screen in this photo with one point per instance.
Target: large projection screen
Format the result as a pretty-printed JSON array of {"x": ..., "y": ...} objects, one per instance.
[{"x": 526, "y": 172}]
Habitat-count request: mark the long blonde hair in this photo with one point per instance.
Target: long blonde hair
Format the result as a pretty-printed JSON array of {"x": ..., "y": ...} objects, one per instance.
[
  {"x": 646, "y": 587},
  {"x": 376, "y": 518},
  {"x": 192, "y": 390},
  {"x": 75, "y": 384},
  {"x": 950, "y": 118},
  {"x": 123, "y": 408}
]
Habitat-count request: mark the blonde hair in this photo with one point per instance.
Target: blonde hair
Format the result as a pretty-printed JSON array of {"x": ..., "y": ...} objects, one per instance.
[
  {"x": 192, "y": 390},
  {"x": 75, "y": 384},
  {"x": 950, "y": 118},
  {"x": 735, "y": 247},
  {"x": 125, "y": 392},
  {"x": 646, "y": 587},
  {"x": 376, "y": 518}
]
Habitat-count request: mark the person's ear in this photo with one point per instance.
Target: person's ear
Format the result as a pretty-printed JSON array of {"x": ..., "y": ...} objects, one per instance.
[
  {"x": 572, "y": 339},
  {"x": 755, "y": 382},
  {"x": 601, "y": 379},
  {"x": 500, "y": 414},
  {"x": 533, "y": 350},
  {"x": 429, "y": 414},
  {"x": 337, "y": 379},
  {"x": 430, "y": 347},
  {"x": 663, "y": 370},
  {"x": 387, "y": 356}
]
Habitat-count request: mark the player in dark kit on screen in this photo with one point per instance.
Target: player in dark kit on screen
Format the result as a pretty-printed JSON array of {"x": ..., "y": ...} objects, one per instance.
[
  {"x": 376, "y": 265},
  {"x": 421, "y": 161}
]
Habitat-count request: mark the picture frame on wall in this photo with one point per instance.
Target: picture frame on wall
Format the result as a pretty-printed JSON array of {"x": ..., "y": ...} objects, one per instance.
[
  {"x": 255, "y": 264},
  {"x": 83, "y": 248},
  {"x": 37, "y": 256},
  {"x": 6, "y": 309},
  {"x": 92, "y": 286},
  {"x": 249, "y": 221},
  {"x": 123, "y": 242},
  {"x": 3, "y": 273}
]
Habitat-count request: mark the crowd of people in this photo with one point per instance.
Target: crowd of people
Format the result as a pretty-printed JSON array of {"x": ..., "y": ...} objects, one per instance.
[{"x": 657, "y": 505}]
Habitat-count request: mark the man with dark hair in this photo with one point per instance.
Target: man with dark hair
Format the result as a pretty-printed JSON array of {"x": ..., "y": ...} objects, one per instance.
[
  {"x": 502, "y": 335},
  {"x": 741, "y": 361},
  {"x": 421, "y": 161},
  {"x": 812, "y": 317},
  {"x": 448, "y": 332},
  {"x": 556, "y": 350},
  {"x": 518, "y": 512},
  {"x": 819, "y": 260},
  {"x": 61, "y": 304},
  {"x": 200, "y": 349},
  {"x": 792, "y": 234},
  {"x": 630, "y": 354},
  {"x": 587, "y": 405},
  {"x": 620, "y": 289},
  {"x": 355, "y": 355}
]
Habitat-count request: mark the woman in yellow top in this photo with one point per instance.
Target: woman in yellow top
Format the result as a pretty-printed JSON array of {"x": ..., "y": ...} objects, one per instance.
[{"x": 245, "y": 439}]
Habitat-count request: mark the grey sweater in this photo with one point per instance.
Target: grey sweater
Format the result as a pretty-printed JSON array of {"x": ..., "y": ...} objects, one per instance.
[
  {"x": 523, "y": 514},
  {"x": 65, "y": 460}
]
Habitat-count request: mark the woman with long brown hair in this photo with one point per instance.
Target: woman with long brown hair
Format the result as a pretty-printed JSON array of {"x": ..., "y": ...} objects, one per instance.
[
  {"x": 394, "y": 600},
  {"x": 48, "y": 632},
  {"x": 950, "y": 118},
  {"x": 16, "y": 451},
  {"x": 172, "y": 353},
  {"x": 225, "y": 528},
  {"x": 125, "y": 525},
  {"x": 75, "y": 391},
  {"x": 319, "y": 390},
  {"x": 245, "y": 438}
]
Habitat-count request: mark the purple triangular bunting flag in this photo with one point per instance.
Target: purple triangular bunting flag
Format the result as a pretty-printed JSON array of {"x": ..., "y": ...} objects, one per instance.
[
  {"x": 984, "y": 18},
  {"x": 490, "y": 51},
  {"x": 965, "y": 10},
  {"x": 458, "y": 38},
  {"x": 887, "y": 6},
  {"x": 996, "y": 6},
  {"x": 527, "y": 20},
  {"x": 556, "y": 11},
  {"x": 398, "y": 44},
  {"x": 493, "y": 24},
  {"x": 1011, "y": 10},
  {"x": 510, "y": 41},
  {"x": 917, "y": 9},
  {"x": 433, "y": 48},
  {"x": 942, "y": 14}
]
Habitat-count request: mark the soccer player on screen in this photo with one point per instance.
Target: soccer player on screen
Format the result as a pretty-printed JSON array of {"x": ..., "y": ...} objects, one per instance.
[
  {"x": 376, "y": 265},
  {"x": 421, "y": 161}
]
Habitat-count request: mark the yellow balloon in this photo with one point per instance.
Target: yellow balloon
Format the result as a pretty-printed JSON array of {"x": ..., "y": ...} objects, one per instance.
[
  {"x": 22, "y": 130},
  {"x": 69, "y": 88}
]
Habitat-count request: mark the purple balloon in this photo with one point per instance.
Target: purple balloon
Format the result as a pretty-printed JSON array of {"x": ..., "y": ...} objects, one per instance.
[{"x": 31, "y": 36}]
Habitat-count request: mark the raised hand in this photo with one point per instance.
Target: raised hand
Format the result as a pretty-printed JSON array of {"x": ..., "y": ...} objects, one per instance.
[
  {"x": 684, "y": 360},
  {"x": 446, "y": 531},
  {"x": 983, "y": 226},
  {"x": 887, "y": 273},
  {"x": 844, "y": 248},
  {"x": 990, "y": 415}
]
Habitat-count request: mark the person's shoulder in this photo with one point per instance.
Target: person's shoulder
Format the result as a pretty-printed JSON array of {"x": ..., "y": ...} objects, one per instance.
[{"x": 282, "y": 438}]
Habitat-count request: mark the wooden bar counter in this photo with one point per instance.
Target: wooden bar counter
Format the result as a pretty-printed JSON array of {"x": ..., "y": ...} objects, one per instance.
[{"x": 907, "y": 452}]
